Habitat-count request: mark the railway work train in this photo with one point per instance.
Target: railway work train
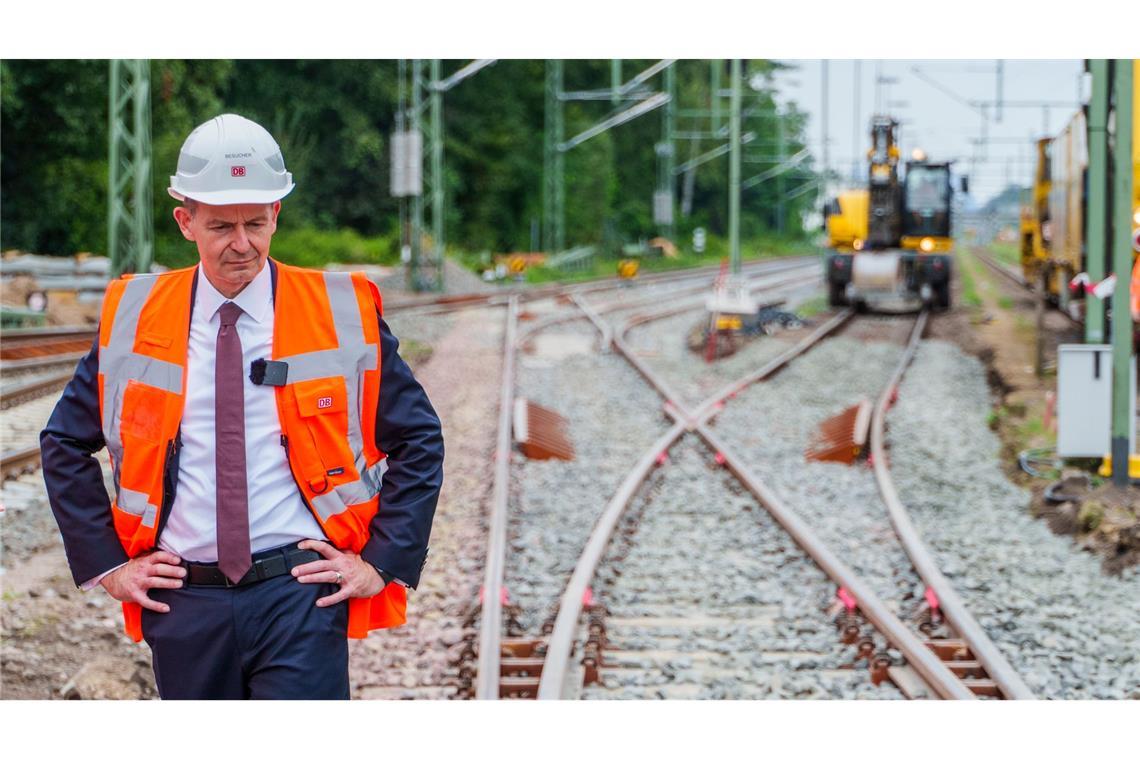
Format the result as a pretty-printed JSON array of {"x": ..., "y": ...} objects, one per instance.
[
  {"x": 1053, "y": 229},
  {"x": 891, "y": 242}
]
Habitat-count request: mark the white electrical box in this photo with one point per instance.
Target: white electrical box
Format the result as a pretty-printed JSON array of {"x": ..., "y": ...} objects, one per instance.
[{"x": 1084, "y": 401}]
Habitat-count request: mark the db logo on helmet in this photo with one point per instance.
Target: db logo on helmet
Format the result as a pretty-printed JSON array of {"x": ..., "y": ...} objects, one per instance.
[{"x": 237, "y": 171}]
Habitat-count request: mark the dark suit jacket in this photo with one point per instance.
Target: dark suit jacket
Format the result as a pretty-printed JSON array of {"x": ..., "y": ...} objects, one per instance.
[{"x": 407, "y": 430}]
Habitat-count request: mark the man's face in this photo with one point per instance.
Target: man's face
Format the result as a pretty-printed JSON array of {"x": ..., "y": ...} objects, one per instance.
[{"x": 233, "y": 241}]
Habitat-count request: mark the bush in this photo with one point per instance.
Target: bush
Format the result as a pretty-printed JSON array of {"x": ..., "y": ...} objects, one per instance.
[
  {"x": 304, "y": 247},
  {"x": 308, "y": 247}
]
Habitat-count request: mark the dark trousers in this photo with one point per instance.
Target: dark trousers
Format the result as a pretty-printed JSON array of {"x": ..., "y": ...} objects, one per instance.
[{"x": 266, "y": 640}]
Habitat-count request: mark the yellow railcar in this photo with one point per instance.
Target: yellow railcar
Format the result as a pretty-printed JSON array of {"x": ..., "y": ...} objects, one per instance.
[{"x": 1053, "y": 222}]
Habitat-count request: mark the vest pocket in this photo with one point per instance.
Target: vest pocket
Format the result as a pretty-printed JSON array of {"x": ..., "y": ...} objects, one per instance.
[
  {"x": 322, "y": 405},
  {"x": 142, "y": 411}
]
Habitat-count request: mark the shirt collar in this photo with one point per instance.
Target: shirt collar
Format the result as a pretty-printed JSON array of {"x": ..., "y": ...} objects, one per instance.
[{"x": 256, "y": 299}]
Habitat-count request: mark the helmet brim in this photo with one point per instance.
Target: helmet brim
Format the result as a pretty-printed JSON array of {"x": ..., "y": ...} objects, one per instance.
[{"x": 232, "y": 197}]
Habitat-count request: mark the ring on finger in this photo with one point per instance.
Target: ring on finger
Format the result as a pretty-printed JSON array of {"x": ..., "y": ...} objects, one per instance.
[{"x": 339, "y": 578}]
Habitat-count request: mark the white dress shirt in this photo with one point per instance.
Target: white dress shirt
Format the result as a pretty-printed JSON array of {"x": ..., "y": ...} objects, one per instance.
[{"x": 277, "y": 513}]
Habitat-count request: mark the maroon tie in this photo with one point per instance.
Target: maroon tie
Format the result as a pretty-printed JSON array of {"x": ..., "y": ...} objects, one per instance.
[{"x": 229, "y": 438}]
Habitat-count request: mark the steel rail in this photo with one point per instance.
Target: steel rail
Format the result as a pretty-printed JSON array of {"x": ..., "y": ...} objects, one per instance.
[
  {"x": 40, "y": 363},
  {"x": 19, "y": 394},
  {"x": 1010, "y": 275},
  {"x": 758, "y": 285},
  {"x": 461, "y": 301},
  {"x": 773, "y": 267},
  {"x": 707, "y": 409},
  {"x": 1021, "y": 282},
  {"x": 925, "y": 662},
  {"x": 491, "y": 622},
  {"x": 491, "y": 618},
  {"x": 28, "y": 345},
  {"x": 638, "y": 364},
  {"x": 556, "y": 666},
  {"x": 25, "y": 334},
  {"x": 17, "y": 462},
  {"x": 557, "y": 663},
  {"x": 918, "y": 655},
  {"x": 952, "y": 605}
]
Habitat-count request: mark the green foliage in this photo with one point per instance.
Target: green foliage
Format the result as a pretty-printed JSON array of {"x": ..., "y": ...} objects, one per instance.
[
  {"x": 812, "y": 307},
  {"x": 53, "y": 156},
  {"x": 968, "y": 273},
  {"x": 1006, "y": 253},
  {"x": 333, "y": 120},
  {"x": 415, "y": 353},
  {"x": 1090, "y": 515},
  {"x": 308, "y": 247}
]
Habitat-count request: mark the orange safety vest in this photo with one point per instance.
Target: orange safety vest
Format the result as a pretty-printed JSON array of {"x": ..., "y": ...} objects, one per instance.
[{"x": 326, "y": 327}]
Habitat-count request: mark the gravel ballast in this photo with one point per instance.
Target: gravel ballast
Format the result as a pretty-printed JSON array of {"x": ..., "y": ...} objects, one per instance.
[
  {"x": 613, "y": 417},
  {"x": 1071, "y": 631},
  {"x": 771, "y": 423},
  {"x": 715, "y": 600},
  {"x": 663, "y": 345}
]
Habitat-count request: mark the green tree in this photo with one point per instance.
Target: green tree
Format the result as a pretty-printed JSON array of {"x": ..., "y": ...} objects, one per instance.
[
  {"x": 333, "y": 120},
  {"x": 53, "y": 156}
]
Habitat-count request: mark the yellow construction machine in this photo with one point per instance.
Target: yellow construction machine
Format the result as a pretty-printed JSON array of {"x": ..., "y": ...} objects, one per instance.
[
  {"x": 847, "y": 221},
  {"x": 891, "y": 243}
]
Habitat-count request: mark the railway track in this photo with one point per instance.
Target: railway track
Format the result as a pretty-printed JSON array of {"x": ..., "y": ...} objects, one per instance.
[
  {"x": 426, "y": 305},
  {"x": 21, "y": 425},
  {"x": 20, "y": 393},
  {"x": 40, "y": 342},
  {"x": 1015, "y": 278},
  {"x": 518, "y": 657},
  {"x": 969, "y": 652},
  {"x": 970, "y": 655},
  {"x": 542, "y": 666},
  {"x": 16, "y": 463}
]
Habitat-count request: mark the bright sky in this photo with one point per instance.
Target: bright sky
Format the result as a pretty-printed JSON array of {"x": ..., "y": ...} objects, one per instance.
[{"x": 934, "y": 117}]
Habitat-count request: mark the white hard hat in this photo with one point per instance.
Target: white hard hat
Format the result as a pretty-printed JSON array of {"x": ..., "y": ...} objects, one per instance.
[{"x": 228, "y": 160}]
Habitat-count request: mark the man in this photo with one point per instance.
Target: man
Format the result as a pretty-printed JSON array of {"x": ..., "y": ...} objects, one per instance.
[{"x": 276, "y": 464}]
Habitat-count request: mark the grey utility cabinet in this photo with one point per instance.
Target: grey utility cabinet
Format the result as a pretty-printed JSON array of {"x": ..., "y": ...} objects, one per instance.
[{"x": 1084, "y": 401}]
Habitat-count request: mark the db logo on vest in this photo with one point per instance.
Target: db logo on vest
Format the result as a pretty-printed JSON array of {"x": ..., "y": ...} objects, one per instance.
[
  {"x": 324, "y": 402},
  {"x": 237, "y": 171}
]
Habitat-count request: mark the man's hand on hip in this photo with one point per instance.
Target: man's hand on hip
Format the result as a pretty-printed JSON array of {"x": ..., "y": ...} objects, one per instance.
[
  {"x": 131, "y": 582},
  {"x": 355, "y": 576}
]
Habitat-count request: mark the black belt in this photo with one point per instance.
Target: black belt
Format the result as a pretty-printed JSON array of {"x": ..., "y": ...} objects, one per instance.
[{"x": 267, "y": 564}]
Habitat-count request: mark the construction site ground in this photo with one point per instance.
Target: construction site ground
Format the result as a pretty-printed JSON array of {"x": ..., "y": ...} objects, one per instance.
[{"x": 995, "y": 319}]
